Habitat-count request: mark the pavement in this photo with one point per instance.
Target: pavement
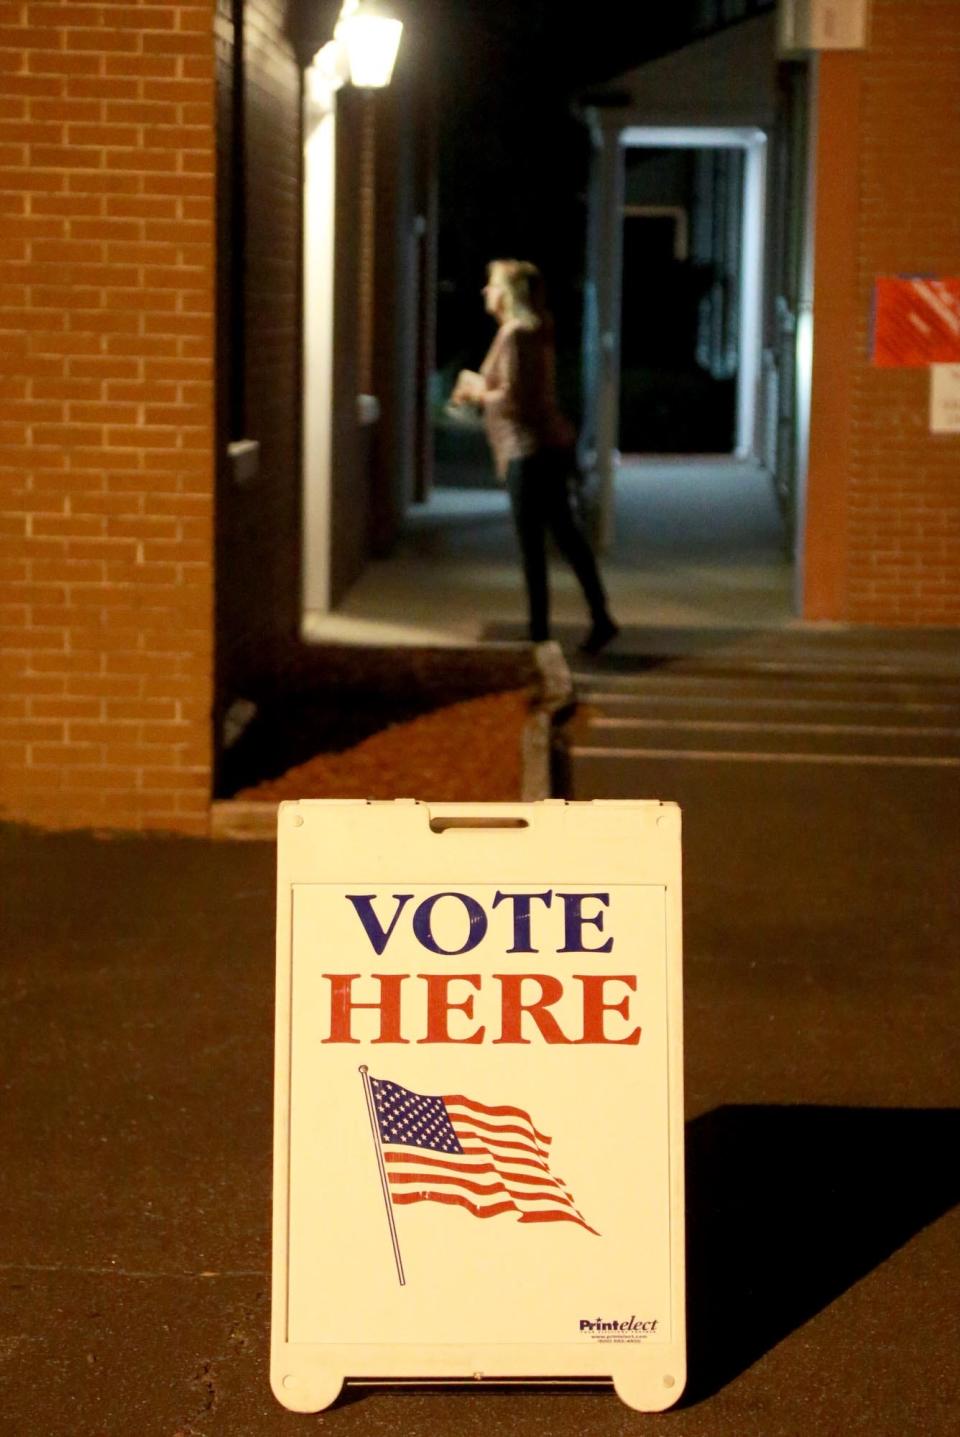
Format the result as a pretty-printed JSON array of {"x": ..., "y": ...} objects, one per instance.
[{"x": 823, "y": 1107}]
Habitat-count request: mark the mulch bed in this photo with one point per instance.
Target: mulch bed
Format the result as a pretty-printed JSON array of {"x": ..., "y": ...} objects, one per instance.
[{"x": 464, "y": 752}]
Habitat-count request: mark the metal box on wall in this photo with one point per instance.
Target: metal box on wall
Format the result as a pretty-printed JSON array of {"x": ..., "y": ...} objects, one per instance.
[
  {"x": 479, "y": 1107},
  {"x": 805, "y": 25}
]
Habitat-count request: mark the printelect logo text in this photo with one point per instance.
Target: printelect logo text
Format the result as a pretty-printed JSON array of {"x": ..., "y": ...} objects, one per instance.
[{"x": 625, "y": 1324}]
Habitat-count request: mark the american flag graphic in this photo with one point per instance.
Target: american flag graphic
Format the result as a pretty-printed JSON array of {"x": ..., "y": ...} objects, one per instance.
[{"x": 451, "y": 1149}]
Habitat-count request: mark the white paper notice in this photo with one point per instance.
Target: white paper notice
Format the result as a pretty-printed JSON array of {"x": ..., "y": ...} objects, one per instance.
[{"x": 945, "y": 399}]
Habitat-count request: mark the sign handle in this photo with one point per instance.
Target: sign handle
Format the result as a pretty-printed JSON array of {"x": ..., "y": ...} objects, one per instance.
[{"x": 378, "y": 1146}]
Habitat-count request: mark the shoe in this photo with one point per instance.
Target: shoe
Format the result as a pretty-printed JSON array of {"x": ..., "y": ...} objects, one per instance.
[{"x": 602, "y": 632}]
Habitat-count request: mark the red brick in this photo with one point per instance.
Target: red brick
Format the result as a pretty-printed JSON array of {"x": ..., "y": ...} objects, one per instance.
[
  {"x": 106, "y": 413},
  {"x": 48, "y": 62}
]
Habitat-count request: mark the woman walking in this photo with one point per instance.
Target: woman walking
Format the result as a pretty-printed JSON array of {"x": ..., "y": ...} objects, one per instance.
[{"x": 532, "y": 442}]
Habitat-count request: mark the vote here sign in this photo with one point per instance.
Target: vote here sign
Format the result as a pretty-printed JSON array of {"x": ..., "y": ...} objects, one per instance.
[{"x": 479, "y": 1115}]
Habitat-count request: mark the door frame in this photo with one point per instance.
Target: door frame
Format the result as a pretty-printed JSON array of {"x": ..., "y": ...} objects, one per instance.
[{"x": 607, "y": 284}]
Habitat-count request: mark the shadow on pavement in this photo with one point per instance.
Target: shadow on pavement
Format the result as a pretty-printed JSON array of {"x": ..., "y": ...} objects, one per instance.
[{"x": 788, "y": 1207}]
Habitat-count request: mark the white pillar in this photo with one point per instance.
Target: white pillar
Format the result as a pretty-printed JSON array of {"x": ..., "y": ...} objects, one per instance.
[
  {"x": 319, "y": 207},
  {"x": 751, "y": 296},
  {"x": 804, "y": 341},
  {"x": 610, "y": 254}
]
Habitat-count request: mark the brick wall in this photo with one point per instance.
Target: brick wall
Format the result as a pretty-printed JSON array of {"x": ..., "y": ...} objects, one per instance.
[
  {"x": 259, "y": 222},
  {"x": 883, "y": 540},
  {"x": 106, "y": 383},
  {"x": 904, "y": 513}
]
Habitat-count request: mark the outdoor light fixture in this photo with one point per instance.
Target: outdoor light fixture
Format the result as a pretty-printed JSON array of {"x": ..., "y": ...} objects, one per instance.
[{"x": 369, "y": 33}]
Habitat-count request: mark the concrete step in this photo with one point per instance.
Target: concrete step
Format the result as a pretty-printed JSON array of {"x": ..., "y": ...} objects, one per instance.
[
  {"x": 760, "y": 784},
  {"x": 627, "y": 736},
  {"x": 646, "y": 774},
  {"x": 785, "y": 688},
  {"x": 751, "y": 708},
  {"x": 923, "y": 652}
]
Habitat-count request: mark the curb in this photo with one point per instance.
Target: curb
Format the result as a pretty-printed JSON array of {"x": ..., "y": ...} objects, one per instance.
[
  {"x": 243, "y": 819},
  {"x": 556, "y": 692}
]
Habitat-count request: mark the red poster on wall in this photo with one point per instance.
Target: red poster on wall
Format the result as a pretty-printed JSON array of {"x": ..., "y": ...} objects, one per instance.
[{"x": 916, "y": 321}]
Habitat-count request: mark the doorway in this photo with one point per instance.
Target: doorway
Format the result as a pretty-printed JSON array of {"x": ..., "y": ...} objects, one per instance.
[
  {"x": 678, "y": 335},
  {"x": 691, "y": 308}
]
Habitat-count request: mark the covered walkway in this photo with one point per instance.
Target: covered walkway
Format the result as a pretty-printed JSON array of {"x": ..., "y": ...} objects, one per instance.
[{"x": 698, "y": 543}]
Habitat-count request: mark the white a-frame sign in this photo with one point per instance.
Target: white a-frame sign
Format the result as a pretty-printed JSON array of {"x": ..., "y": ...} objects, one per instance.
[{"x": 479, "y": 1107}]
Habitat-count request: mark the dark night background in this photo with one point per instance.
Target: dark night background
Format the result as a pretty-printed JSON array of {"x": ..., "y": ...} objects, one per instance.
[{"x": 513, "y": 154}]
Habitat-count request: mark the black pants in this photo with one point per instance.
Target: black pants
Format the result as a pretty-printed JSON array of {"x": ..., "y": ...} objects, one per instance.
[{"x": 540, "y": 496}]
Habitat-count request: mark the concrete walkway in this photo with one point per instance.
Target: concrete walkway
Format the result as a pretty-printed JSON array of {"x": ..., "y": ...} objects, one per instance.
[
  {"x": 823, "y": 1089},
  {"x": 695, "y": 544}
]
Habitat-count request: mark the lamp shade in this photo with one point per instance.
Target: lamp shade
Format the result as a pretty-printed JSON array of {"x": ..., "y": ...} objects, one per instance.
[{"x": 370, "y": 34}]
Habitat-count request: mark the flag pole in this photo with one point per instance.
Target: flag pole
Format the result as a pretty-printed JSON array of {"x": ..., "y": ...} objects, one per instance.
[{"x": 378, "y": 1147}]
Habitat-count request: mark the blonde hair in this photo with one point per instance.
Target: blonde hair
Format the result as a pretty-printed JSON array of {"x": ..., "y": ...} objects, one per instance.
[{"x": 522, "y": 283}]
